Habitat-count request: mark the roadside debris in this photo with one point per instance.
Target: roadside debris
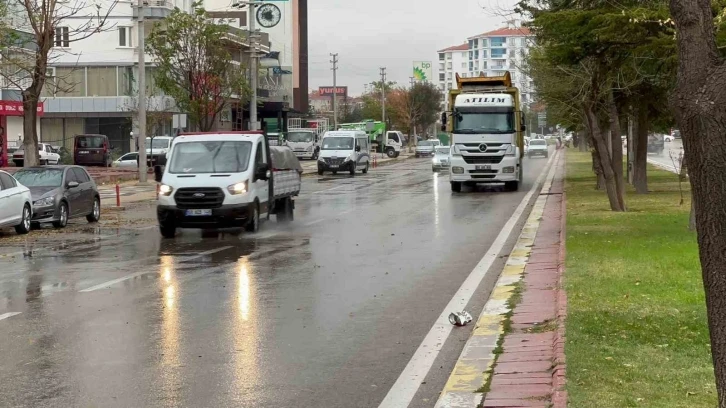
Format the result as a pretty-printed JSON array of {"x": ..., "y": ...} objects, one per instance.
[{"x": 460, "y": 318}]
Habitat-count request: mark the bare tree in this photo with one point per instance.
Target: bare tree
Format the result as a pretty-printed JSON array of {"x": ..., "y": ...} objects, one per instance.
[{"x": 51, "y": 27}]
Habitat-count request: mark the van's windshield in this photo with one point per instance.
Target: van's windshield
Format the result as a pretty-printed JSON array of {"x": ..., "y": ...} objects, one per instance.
[
  {"x": 210, "y": 157},
  {"x": 337, "y": 143}
]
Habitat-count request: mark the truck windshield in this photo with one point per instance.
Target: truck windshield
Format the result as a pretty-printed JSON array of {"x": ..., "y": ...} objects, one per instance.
[
  {"x": 484, "y": 122},
  {"x": 299, "y": 137},
  {"x": 210, "y": 157},
  {"x": 337, "y": 143}
]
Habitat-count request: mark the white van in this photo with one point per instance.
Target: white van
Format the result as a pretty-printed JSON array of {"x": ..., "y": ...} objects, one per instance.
[
  {"x": 344, "y": 150},
  {"x": 224, "y": 180}
]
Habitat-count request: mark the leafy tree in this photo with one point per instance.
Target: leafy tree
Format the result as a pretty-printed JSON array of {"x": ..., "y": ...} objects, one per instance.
[
  {"x": 194, "y": 66},
  {"x": 415, "y": 108},
  {"x": 28, "y": 52}
]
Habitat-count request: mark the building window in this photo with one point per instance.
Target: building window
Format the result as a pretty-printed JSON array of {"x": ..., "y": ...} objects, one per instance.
[
  {"x": 523, "y": 42},
  {"x": 498, "y": 52},
  {"x": 498, "y": 41},
  {"x": 471, "y": 55},
  {"x": 484, "y": 43},
  {"x": 463, "y": 65},
  {"x": 101, "y": 81},
  {"x": 471, "y": 44},
  {"x": 512, "y": 41},
  {"x": 70, "y": 81},
  {"x": 463, "y": 55},
  {"x": 484, "y": 65},
  {"x": 476, "y": 54},
  {"x": 62, "y": 37},
  {"x": 484, "y": 54},
  {"x": 442, "y": 56},
  {"x": 471, "y": 65},
  {"x": 124, "y": 36},
  {"x": 442, "y": 76}
]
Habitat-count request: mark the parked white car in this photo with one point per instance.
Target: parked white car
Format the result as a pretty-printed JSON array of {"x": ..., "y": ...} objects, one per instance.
[
  {"x": 16, "y": 204},
  {"x": 127, "y": 160},
  {"x": 46, "y": 155},
  {"x": 668, "y": 138}
]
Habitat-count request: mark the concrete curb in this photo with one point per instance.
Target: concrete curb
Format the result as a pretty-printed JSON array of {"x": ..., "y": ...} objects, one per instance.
[{"x": 474, "y": 367}]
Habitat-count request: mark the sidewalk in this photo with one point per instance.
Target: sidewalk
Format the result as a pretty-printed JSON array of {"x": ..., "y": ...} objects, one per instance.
[{"x": 515, "y": 356}]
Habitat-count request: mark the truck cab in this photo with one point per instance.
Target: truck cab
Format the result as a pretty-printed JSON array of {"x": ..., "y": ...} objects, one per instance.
[
  {"x": 305, "y": 143},
  {"x": 225, "y": 180},
  {"x": 487, "y": 133}
]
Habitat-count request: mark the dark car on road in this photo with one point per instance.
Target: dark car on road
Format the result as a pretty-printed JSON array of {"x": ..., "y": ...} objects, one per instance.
[
  {"x": 92, "y": 150},
  {"x": 61, "y": 193}
]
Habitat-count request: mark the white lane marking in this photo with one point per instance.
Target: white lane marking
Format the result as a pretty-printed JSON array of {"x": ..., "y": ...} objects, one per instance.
[
  {"x": 407, "y": 384},
  {"x": 6, "y": 315},
  {"x": 307, "y": 224},
  {"x": 134, "y": 275}
]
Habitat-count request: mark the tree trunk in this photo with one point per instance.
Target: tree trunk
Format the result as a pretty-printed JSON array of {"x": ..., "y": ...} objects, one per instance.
[
  {"x": 640, "y": 150},
  {"x": 601, "y": 148},
  {"x": 698, "y": 103},
  {"x": 597, "y": 169},
  {"x": 30, "y": 131},
  {"x": 581, "y": 141},
  {"x": 617, "y": 153},
  {"x": 692, "y": 218}
]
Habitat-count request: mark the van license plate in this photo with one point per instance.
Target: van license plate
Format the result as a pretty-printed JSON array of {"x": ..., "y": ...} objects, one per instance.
[
  {"x": 83, "y": 152},
  {"x": 198, "y": 213},
  {"x": 333, "y": 166},
  {"x": 483, "y": 167}
]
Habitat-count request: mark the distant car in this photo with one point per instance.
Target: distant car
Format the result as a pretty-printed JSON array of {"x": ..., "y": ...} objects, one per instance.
[
  {"x": 16, "y": 208},
  {"x": 425, "y": 148},
  {"x": 537, "y": 147},
  {"x": 127, "y": 160},
  {"x": 668, "y": 138},
  {"x": 60, "y": 193},
  {"x": 441, "y": 158},
  {"x": 92, "y": 150},
  {"x": 46, "y": 155}
]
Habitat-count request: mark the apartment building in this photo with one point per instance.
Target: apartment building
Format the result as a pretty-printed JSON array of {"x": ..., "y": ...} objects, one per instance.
[
  {"x": 504, "y": 49},
  {"x": 452, "y": 61},
  {"x": 490, "y": 53}
]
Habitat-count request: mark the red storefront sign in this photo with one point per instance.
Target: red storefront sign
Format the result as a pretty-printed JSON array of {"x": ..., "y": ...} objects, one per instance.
[{"x": 15, "y": 108}]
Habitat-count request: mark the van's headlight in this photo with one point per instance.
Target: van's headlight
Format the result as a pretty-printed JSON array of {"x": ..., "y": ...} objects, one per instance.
[
  {"x": 238, "y": 188},
  {"x": 165, "y": 190},
  {"x": 511, "y": 150}
]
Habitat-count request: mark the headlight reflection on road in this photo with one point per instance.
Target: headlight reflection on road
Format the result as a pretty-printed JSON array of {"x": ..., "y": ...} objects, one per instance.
[
  {"x": 169, "y": 326},
  {"x": 436, "y": 203},
  {"x": 244, "y": 288}
]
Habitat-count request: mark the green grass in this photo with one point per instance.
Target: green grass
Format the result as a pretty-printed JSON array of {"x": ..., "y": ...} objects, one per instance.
[{"x": 636, "y": 328}]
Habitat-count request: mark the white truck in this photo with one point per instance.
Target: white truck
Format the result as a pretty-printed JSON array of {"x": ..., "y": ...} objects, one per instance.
[
  {"x": 226, "y": 180},
  {"x": 487, "y": 132},
  {"x": 303, "y": 136}
]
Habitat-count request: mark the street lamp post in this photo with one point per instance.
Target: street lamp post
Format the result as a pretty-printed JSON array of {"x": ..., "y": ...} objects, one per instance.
[{"x": 253, "y": 56}]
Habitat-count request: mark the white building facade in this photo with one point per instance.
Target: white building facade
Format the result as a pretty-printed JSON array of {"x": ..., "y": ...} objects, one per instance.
[
  {"x": 501, "y": 50},
  {"x": 490, "y": 53},
  {"x": 452, "y": 61}
]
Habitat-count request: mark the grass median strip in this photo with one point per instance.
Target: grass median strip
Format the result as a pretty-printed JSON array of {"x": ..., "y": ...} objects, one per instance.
[{"x": 636, "y": 327}]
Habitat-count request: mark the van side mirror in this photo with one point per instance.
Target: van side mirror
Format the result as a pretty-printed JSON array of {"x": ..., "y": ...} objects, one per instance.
[
  {"x": 261, "y": 171},
  {"x": 158, "y": 174},
  {"x": 443, "y": 119},
  {"x": 357, "y": 148}
]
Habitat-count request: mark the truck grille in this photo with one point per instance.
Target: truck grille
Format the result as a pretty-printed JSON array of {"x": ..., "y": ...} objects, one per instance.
[
  {"x": 483, "y": 159},
  {"x": 186, "y": 199},
  {"x": 337, "y": 160}
]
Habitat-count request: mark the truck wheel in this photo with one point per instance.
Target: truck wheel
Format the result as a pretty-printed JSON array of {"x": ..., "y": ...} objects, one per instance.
[
  {"x": 511, "y": 185},
  {"x": 254, "y": 223},
  {"x": 456, "y": 186},
  {"x": 167, "y": 229},
  {"x": 365, "y": 170},
  {"x": 283, "y": 212},
  {"x": 390, "y": 153},
  {"x": 397, "y": 154},
  {"x": 352, "y": 169},
  {"x": 44, "y": 162},
  {"x": 335, "y": 173}
]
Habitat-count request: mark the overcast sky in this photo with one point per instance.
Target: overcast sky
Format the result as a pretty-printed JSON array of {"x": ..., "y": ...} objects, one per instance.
[{"x": 392, "y": 33}]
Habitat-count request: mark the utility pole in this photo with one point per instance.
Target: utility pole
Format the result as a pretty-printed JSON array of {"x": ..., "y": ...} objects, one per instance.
[
  {"x": 141, "y": 111},
  {"x": 413, "y": 123},
  {"x": 334, "y": 61},
  {"x": 383, "y": 95},
  {"x": 253, "y": 73},
  {"x": 412, "y": 81}
]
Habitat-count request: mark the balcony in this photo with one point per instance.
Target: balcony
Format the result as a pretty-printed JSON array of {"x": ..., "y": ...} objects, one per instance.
[{"x": 155, "y": 9}]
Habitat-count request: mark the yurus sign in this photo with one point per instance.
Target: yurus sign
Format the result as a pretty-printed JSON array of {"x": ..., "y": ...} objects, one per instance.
[{"x": 333, "y": 90}]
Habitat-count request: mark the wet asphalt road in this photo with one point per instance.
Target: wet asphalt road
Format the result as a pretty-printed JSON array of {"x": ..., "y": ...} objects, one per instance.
[{"x": 324, "y": 312}]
